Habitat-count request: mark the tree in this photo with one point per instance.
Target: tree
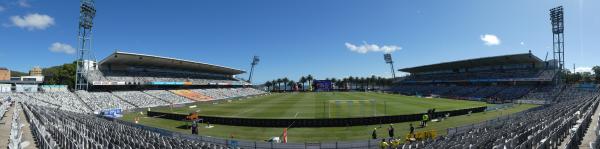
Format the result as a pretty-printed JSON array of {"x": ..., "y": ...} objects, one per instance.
[
  {"x": 351, "y": 81},
  {"x": 285, "y": 83},
  {"x": 586, "y": 76},
  {"x": 309, "y": 78},
  {"x": 334, "y": 81},
  {"x": 268, "y": 84},
  {"x": 302, "y": 80},
  {"x": 279, "y": 84},
  {"x": 292, "y": 84},
  {"x": 345, "y": 83},
  {"x": 596, "y": 70},
  {"x": 373, "y": 81},
  {"x": 380, "y": 81},
  {"x": 60, "y": 75}
]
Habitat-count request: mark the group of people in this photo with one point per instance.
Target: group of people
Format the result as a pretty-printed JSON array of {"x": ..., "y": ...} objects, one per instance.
[
  {"x": 427, "y": 117},
  {"x": 392, "y": 141}
]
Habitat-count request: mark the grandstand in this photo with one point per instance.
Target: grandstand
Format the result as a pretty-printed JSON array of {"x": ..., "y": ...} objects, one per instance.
[
  {"x": 132, "y": 70},
  {"x": 495, "y": 79}
]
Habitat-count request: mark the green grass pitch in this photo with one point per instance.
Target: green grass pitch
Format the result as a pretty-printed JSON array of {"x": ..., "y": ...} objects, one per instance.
[
  {"x": 323, "y": 105},
  {"x": 309, "y": 105}
]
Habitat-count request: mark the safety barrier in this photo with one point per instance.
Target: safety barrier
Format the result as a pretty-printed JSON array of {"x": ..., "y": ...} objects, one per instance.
[{"x": 319, "y": 122}]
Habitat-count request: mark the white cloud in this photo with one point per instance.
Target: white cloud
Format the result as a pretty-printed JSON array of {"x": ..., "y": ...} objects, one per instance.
[
  {"x": 584, "y": 69},
  {"x": 365, "y": 48},
  {"x": 33, "y": 21},
  {"x": 490, "y": 40},
  {"x": 23, "y": 3},
  {"x": 58, "y": 47}
]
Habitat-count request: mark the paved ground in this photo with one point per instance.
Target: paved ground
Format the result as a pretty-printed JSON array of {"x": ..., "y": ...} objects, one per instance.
[
  {"x": 5, "y": 128},
  {"x": 5, "y": 125},
  {"x": 28, "y": 142},
  {"x": 590, "y": 135}
]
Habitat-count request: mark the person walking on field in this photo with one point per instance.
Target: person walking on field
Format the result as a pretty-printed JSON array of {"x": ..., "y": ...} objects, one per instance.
[
  {"x": 391, "y": 131},
  {"x": 411, "y": 129},
  {"x": 374, "y": 134},
  {"x": 425, "y": 119},
  {"x": 194, "y": 128}
]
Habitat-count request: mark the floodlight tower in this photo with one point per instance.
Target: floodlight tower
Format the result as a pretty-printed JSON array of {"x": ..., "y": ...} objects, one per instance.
[
  {"x": 255, "y": 61},
  {"x": 85, "y": 61},
  {"x": 558, "y": 46},
  {"x": 388, "y": 59}
]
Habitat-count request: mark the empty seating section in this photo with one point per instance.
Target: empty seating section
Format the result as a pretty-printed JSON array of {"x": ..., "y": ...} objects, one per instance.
[
  {"x": 143, "y": 77},
  {"x": 487, "y": 91},
  {"x": 497, "y": 93},
  {"x": 103, "y": 100},
  {"x": 191, "y": 95},
  {"x": 4, "y": 105},
  {"x": 63, "y": 123},
  {"x": 64, "y": 100},
  {"x": 168, "y": 96},
  {"x": 544, "y": 93},
  {"x": 20, "y": 97},
  {"x": 546, "y": 127},
  {"x": 63, "y": 129},
  {"x": 513, "y": 92},
  {"x": 140, "y": 99},
  {"x": 89, "y": 102},
  {"x": 225, "y": 93},
  {"x": 482, "y": 76}
]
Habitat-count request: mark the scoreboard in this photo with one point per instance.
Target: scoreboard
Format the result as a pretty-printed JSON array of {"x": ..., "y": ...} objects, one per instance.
[{"x": 322, "y": 85}]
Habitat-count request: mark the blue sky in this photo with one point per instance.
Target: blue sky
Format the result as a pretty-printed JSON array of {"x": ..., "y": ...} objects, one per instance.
[{"x": 295, "y": 38}]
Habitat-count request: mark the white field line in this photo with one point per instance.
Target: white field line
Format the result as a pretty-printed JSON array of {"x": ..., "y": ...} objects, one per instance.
[
  {"x": 296, "y": 114},
  {"x": 247, "y": 110}
]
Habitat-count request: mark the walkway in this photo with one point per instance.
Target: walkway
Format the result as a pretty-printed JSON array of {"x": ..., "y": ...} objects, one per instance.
[
  {"x": 590, "y": 135},
  {"x": 5, "y": 126},
  {"x": 27, "y": 141}
]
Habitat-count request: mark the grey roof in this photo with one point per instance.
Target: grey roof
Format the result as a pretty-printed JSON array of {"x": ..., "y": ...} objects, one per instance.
[
  {"x": 477, "y": 62},
  {"x": 135, "y": 59}
]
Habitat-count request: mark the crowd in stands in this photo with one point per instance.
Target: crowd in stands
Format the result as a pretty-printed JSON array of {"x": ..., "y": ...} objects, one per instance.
[
  {"x": 484, "y": 75},
  {"x": 143, "y": 77},
  {"x": 501, "y": 93},
  {"x": 543, "y": 128}
]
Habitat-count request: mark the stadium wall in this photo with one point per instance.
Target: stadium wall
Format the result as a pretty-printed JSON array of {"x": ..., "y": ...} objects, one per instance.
[{"x": 332, "y": 122}]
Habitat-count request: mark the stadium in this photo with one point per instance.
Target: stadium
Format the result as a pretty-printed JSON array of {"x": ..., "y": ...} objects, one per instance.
[{"x": 137, "y": 100}]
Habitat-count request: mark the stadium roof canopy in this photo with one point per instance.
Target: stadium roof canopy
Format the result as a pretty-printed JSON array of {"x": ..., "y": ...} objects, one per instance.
[
  {"x": 134, "y": 59},
  {"x": 478, "y": 62}
]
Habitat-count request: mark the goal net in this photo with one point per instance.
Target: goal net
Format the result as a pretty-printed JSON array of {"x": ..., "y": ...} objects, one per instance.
[{"x": 351, "y": 108}]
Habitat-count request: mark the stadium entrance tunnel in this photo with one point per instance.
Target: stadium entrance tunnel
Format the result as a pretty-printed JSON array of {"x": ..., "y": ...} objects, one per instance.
[{"x": 323, "y": 122}]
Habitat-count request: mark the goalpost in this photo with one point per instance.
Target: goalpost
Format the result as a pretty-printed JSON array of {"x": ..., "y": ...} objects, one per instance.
[{"x": 351, "y": 108}]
